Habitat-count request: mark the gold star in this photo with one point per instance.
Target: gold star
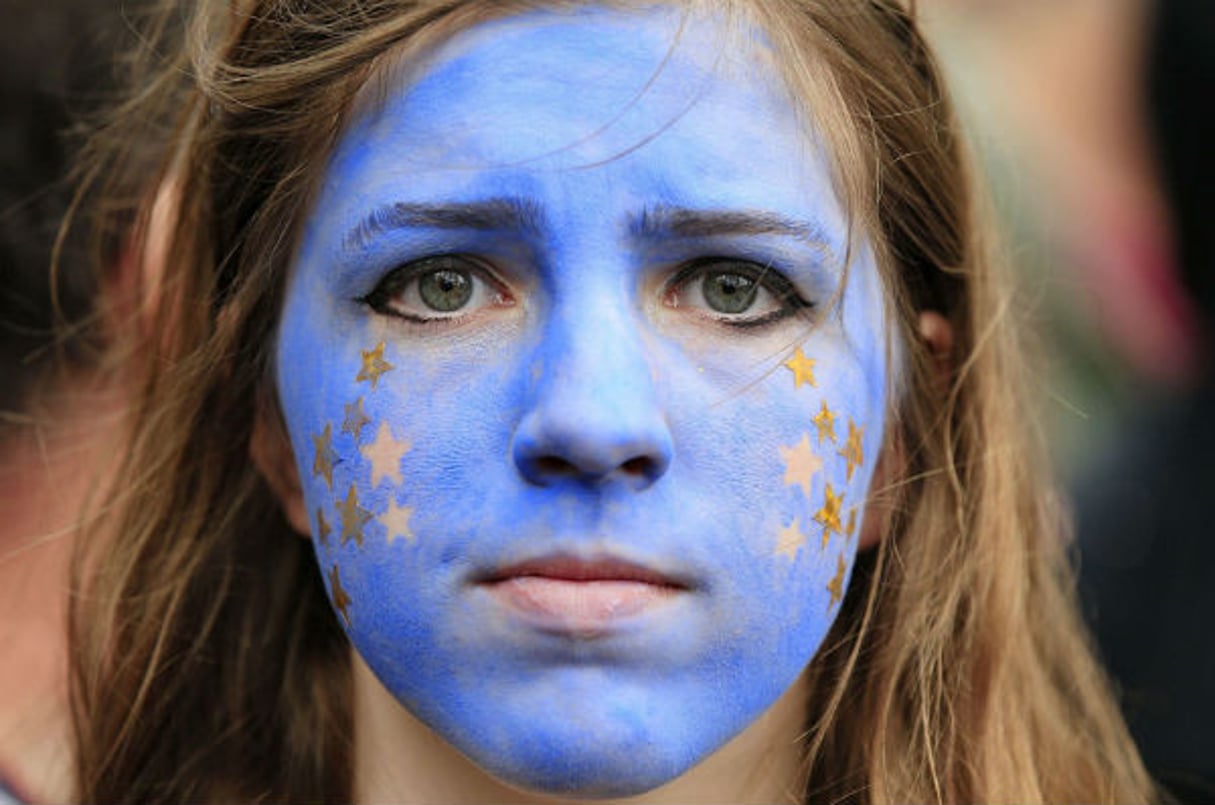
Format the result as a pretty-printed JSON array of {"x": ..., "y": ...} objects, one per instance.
[
  {"x": 396, "y": 520},
  {"x": 829, "y": 516},
  {"x": 355, "y": 419},
  {"x": 374, "y": 365},
  {"x": 354, "y": 517},
  {"x": 836, "y": 585},
  {"x": 341, "y": 601},
  {"x": 789, "y": 540},
  {"x": 825, "y": 421},
  {"x": 323, "y": 463},
  {"x": 850, "y": 529},
  {"x": 322, "y": 526},
  {"x": 385, "y": 455},
  {"x": 802, "y": 368},
  {"x": 800, "y": 463},
  {"x": 854, "y": 451}
]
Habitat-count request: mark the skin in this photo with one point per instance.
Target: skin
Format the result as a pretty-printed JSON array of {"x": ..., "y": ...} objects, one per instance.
[
  {"x": 50, "y": 467},
  {"x": 589, "y": 403}
]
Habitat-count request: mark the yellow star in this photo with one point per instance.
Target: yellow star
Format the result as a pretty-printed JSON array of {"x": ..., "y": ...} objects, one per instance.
[
  {"x": 854, "y": 451},
  {"x": 374, "y": 365},
  {"x": 789, "y": 540},
  {"x": 800, "y": 463},
  {"x": 836, "y": 585},
  {"x": 355, "y": 419},
  {"x": 396, "y": 520},
  {"x": 354, "y": 517},
  {"x": 825, "y": 421},
  {"x": 850, "y": 529},
  {"x": 829, "y": 516},
  {"x": 802, "y": 368},
  {"x": 385, "y": 455},
  {"x": 322, "y": 464},
  {"x": 322, "y": 526},
  {"x": 341, "y": 601}
]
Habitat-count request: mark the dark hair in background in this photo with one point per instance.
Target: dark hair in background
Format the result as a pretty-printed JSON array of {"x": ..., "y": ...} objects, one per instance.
[
  {"x": 1181, "y": 74},
  {"x": 57, "y": 68},
  {"x": 1144, "y": 513}
]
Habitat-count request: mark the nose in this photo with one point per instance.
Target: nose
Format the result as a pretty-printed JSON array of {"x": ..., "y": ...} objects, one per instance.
[{"x": 594, "y": 416}]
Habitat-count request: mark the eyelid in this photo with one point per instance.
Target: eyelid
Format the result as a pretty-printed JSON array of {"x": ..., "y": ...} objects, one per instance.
[
  {"x": 398, "y": 279},
  {"x": 773, "y": 280}
]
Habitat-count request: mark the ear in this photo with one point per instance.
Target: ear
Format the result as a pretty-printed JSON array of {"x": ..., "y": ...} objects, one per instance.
[
  {"x": 271, "y": 452},
  {"x": 937, "y": 334}
]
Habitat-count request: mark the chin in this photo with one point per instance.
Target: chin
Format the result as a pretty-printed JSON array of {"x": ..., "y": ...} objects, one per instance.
[
  {"x": 595, "y": 745},
  {"x": 591, "y": 770}
]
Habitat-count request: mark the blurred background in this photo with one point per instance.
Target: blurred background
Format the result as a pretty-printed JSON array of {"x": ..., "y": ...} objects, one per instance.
[
  {"x": 1055, "y": 95},
  {"x": 1090, "y": 120}
]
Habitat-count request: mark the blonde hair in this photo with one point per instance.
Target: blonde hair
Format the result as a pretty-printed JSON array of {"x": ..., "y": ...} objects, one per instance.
[{"x": 207, "y": 663}]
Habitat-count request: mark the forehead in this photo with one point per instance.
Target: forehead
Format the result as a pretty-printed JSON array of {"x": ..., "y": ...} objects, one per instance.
[{"x": 683, "y": 107}]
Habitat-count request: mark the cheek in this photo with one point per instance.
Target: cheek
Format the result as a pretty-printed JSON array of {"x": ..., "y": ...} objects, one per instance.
[
  {"x": 388, "y": 445},
  {"x": 784, "y": 465}
]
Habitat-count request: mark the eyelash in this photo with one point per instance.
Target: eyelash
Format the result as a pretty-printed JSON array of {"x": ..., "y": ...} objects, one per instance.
[
  {"x": 763, "y": 278},
  {"x": 402, "y": 277}
]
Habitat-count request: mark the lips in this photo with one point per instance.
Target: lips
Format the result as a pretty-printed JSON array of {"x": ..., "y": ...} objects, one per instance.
[{"x": 578, "y": 597}]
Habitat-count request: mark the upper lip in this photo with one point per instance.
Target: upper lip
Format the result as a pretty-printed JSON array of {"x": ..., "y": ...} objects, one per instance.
[{"x": 562, "y": 567}]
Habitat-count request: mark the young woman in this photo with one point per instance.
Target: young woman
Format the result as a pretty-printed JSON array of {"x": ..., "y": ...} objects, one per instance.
[{"x": 632, "y": 410}]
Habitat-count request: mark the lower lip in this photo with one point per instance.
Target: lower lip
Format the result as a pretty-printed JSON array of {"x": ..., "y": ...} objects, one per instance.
[{"x": 584, "y": 608}]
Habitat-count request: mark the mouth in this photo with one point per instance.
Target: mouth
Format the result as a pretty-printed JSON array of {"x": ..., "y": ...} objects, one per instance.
[{"x": 584, "y": 598}]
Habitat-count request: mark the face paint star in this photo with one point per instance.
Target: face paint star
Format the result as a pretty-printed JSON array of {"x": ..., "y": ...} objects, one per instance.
[
  {"x": 354, "y": 517},
  {"x": 322, "y": 527},
  {"x": 374, "y": 365},
  {"x": 322, "y": 464},
  {"x": 829, "y": 516},
  {"x": 854, "y": 451},
  {"x": 396, "y": 520},
  {"x": 836, "y": 585},
  {"x": 800, "y": 463},
  {"x": 850, "y": 529},
  {"x": 790, "y": 540},
  {"x": 355, "y": 419},
  {"x": 802, "y": 368},
  {"x": 824, "y": 420},
  {"x": 341, "y": 601},
  {"x": 385, "y": 456}
]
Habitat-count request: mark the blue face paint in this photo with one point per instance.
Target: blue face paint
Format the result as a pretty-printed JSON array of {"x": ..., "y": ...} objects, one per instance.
[{"x": 582, "y": 506}]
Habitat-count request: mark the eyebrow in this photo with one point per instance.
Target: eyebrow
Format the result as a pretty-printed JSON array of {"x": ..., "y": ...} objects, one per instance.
[
  {"x": 511, "y": 213},
  {"x": 680, "y": 222},
  {"x": 495, "y": 214}
]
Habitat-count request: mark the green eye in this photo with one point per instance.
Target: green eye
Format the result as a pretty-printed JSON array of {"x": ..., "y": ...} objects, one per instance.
[
  {"x": 734, "y": 292},
  {"x": 445, "y": 287},
  {"x": 728, "y": 292},
  {"x": 446, "y": 290}
]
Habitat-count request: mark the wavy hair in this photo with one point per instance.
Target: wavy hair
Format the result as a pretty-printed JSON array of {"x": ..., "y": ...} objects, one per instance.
[{"x": 207, "y": 663}]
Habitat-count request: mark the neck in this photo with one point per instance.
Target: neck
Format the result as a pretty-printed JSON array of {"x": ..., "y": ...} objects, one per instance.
[{"x": 399, "y": 759}]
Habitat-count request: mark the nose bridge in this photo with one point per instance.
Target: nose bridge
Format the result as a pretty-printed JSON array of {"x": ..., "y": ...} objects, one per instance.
[
  {"x": 594, "y": 412},
  {"x": 593, "y": 344}
]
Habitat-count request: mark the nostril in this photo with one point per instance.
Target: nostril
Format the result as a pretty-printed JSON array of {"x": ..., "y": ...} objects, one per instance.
[
  {"x": 641, "y": 466},
  {"x": 554, "y": 466},
  {"x": 548, "y": 468},
  {"x": 555, "y": 448}
]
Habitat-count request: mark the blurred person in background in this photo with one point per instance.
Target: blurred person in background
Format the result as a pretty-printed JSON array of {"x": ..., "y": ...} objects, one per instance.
[
  {"x": 59, "y": 401},
  {"x": 1105, "y": 182},
  {"x": 1146, "y": 511}
]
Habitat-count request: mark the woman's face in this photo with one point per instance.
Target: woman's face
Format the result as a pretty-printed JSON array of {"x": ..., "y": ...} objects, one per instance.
[{"x": 584, "y": 417}]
